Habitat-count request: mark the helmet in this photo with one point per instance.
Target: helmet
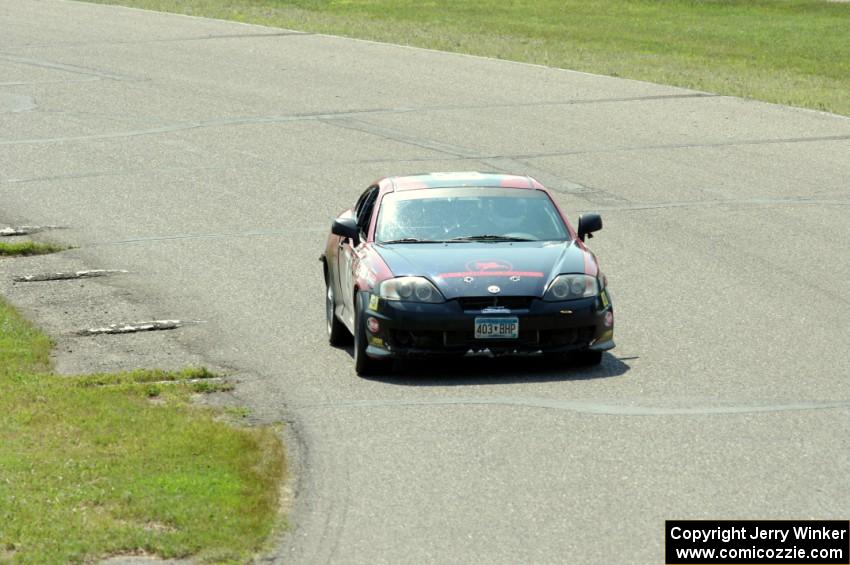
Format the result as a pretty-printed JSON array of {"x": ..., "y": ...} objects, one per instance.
[{"x": 507, "y": 213}]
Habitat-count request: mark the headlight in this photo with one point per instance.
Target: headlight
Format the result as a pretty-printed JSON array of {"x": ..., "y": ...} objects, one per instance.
[
  {"x": 568, "y": 287},
  {"x": 410, "y": 289}
]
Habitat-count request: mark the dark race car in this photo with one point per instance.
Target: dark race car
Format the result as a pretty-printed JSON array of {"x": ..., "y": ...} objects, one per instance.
[{"x": 453, "y": 263}]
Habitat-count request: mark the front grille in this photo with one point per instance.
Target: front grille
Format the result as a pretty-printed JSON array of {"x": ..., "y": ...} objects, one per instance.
[
  {"x": 419, "y": 339},
  {"x": 475, "y": 303}
]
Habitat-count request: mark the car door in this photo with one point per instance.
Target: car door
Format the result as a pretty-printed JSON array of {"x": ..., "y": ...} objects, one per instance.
[{"x": 348, "y": 255}]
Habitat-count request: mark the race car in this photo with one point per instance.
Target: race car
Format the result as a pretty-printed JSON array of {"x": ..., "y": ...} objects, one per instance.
[{"x": 444, "y": 264}]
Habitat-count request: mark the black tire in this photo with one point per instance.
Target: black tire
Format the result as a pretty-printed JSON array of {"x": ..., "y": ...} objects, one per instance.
[
  {"x": 363, "y": 364},
  {"x": 588, "y": 358},
  {"x": 337, "y": 332}
]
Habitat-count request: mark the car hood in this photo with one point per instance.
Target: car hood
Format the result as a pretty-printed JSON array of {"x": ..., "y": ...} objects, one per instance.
[{"x": 469, "y": 269}]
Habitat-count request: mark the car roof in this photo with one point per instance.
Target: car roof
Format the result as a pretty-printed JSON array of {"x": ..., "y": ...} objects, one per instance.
[{"x": 457, "y": 179}]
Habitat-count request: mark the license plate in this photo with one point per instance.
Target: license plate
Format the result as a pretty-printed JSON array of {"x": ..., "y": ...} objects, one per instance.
[{"x": 497, "y": 328}]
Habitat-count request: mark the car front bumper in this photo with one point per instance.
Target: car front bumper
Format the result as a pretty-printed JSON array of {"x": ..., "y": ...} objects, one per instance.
[{"x": 410, "y": 330}]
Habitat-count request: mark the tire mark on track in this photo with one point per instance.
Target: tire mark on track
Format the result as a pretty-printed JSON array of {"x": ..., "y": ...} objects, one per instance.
[{"x": 587, "y": 407}]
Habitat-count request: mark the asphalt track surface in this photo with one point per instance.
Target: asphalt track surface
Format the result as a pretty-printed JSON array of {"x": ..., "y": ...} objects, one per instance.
[{"x": 209, "y": 158}]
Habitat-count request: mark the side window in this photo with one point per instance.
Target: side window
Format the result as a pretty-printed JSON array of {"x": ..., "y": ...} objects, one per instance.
[
  {"x": 360, "y": 201},
  {"x": 364, "y": 213}
]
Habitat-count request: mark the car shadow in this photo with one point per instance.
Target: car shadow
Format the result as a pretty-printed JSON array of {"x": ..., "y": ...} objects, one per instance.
[{"x": 480, "y": 370}]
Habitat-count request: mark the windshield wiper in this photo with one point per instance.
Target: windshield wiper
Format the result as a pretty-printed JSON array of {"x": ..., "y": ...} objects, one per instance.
[
  {"x": 490, "y": 237},
  {"x": 411, "y": 240}
]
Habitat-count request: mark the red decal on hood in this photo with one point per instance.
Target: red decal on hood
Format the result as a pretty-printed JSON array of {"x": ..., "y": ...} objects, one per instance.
[
  {"x": 489, "y": 265},
  {"x": 533, "y": 274}
]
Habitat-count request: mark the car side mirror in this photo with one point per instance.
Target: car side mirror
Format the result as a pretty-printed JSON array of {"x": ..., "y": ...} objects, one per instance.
[
  {"x": 347, "y": 228},
  {"x": 587, "y": 224}
]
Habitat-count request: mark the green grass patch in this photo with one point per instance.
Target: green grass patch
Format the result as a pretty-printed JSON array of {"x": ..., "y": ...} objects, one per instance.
[
  {"x": 27, "y": 248},
  {"x": 787, "y": 51},
  {"x": 124, "y": 463}
]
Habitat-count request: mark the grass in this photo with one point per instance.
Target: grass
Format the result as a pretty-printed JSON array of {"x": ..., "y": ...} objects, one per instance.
[
  {"x": 27, "y": 248},
  {"x": 787, "y": 51},
  {"x": 114, "y": 464}
]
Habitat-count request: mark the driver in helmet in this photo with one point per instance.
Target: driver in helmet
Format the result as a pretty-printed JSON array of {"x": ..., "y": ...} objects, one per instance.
[{"x": 507, "y": 215}]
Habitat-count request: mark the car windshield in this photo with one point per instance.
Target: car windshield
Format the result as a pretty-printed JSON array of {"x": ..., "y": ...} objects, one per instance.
[{"x": 468, "y": 214}]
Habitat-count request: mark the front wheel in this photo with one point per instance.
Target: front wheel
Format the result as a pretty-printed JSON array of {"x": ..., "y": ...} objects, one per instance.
[{"x": 363, "y": 364}]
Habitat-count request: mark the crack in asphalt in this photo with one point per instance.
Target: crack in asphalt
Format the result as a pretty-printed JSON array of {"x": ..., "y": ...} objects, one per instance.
[
  {"x": 162, "y": 40},
  {"x": 504, "y": 164},
  {"x": 67, "y": 68},
  {"x": 34, "y": 82},
  {"x": 587, "y": 407},
  {"x": 729, "y": 143},
  {"x": 327, "y": 116},
  {"x": 400, "y": 136},
  {"x": 115, "y": 173},
  {"x": 582, "y": 101},
  {"x": 144, "y": 239},
  {"x": 456, "y": 151},
  {"x": 637, "y": 207}
]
